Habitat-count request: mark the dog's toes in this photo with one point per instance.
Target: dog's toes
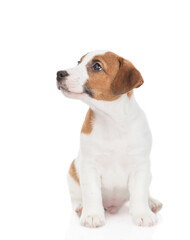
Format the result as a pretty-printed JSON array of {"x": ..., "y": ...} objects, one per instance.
[
  {"x": 92, "y": 221},
  {"x": 155, "y": 205},
  {"x": 146, "y": 218}
]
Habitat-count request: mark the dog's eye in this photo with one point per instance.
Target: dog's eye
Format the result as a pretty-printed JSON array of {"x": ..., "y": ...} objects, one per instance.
[
  {"x": 97, "y": 67},
  {"x": 78, "y": 62}
]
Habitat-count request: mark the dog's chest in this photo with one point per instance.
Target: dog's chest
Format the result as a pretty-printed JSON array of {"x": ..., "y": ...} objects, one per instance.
[
  {"x": 112, "y": 162},
  {"x": 111, "y": 139}
]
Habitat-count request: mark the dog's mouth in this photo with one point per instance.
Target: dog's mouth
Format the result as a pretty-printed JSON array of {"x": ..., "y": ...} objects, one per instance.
[
  {"x": 65, "y": 90},
  {"x": 62, "y": 87}
]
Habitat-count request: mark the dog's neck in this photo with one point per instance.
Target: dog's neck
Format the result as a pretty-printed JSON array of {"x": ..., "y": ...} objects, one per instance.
[{"x": 117, "y": 110}]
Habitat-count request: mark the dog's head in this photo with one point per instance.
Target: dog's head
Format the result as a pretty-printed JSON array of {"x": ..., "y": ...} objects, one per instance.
[{"x": 100, "y": 75}]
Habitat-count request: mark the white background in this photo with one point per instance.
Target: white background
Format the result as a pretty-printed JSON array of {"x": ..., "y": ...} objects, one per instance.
[{"x": 39, "y": 127}]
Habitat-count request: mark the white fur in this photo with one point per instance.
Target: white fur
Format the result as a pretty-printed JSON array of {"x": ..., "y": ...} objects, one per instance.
[{"x": 113, "y": 164}]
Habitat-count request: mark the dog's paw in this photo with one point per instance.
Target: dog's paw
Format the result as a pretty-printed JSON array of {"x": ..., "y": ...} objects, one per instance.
[
  {"x": 146, "y": 218},
  {"x": 154, "y": 205},
  {"x": 92, "y": 220}
]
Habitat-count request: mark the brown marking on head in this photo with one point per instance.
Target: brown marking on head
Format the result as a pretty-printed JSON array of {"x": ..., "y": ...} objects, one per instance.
[
  {"x": 127, "y": 78},
  {"x": 118, "y": 76},
  {"x": 82, "y": 58},
  {"x": 73, "y": 172},
  {"x": 87, "y": 125}
]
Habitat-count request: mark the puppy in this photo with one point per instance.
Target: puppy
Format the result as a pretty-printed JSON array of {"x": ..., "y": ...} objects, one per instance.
[{"x": 113, "y": 164}]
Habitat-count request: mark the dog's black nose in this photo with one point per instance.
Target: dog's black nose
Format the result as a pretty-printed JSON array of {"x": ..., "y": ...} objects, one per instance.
[{"x": 61, "y": 75}]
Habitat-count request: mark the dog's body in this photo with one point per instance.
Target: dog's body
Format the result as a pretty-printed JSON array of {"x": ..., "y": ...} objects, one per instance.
[{"x": 113, "y": 164}]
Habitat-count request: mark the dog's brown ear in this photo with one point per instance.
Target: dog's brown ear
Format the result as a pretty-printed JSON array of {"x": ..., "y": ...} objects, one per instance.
[{"x": 127, "y": 78}]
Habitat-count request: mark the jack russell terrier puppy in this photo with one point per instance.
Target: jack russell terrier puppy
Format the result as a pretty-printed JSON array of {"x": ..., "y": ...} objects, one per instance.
[{"x": 113, "y": 164}]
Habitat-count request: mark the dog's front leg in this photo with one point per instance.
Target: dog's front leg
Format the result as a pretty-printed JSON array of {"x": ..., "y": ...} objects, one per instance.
[
  {"x": 93, "y": 211},
  {"x": 139, "y": 182}
]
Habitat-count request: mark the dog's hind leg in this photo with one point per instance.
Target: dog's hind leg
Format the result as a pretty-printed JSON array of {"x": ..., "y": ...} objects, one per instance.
[
  {"x": 74, "y": 188},
  {"x": 154, "y": 204}
]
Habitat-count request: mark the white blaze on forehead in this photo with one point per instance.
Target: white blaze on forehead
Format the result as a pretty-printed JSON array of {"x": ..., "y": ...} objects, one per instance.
[
  {"x": 90, "y": 56},
  {"x": 79, "y": 74},
  {"x": 82, "y": 66}
]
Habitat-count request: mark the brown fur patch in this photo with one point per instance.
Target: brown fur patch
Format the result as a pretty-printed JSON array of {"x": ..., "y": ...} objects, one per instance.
[
  {"x": 127, "y": 78},
  {"x": 79, "y": 211},
  {"x": 129, "y": 94},
  {"x": 117, "y": 77},
  {"x": 82, "y": 58},
  {"x": 73, "y": 172},
  {"x": 100, "y": 82},
  {"x": 87, "y": 125}
]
